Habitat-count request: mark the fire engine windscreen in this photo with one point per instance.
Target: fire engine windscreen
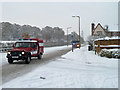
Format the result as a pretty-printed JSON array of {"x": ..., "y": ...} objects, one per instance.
[
  {"x": 75, "y": 41},
  {"x": 22, "y": 44}
]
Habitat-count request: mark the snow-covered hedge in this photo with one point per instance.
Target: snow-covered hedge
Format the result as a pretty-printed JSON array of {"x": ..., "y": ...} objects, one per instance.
[{"x": 110, "y": 53}]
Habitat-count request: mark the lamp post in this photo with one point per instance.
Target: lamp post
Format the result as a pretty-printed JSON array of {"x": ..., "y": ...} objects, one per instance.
[
  {"x": 67, "y": 34},
  {"x": 79, "y": 28}
]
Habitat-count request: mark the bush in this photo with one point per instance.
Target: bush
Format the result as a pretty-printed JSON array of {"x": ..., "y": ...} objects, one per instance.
[
  {"x": 110, "y": 53},
  {"x": 102, "y": 53}
]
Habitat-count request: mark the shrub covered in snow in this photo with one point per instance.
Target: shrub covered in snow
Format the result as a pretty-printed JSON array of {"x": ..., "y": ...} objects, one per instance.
[
  {"x": 110, "y": 53},
  {"x": 102, "y": 53}
]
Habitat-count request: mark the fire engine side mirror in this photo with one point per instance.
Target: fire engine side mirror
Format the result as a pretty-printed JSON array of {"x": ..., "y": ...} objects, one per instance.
[
  {"x": 34, "y": 46},
  {"x": 13, "y": 45}
]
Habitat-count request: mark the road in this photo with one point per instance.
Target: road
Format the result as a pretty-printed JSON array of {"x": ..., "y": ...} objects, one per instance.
[{"x": 12, "y": 71}]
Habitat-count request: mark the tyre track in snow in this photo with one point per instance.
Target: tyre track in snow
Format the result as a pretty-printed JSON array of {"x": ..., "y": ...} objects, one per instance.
[{"x": 12, "y": 71}]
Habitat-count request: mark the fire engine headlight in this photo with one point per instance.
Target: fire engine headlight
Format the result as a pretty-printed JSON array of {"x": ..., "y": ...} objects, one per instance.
[
  {"x": 23, "y": 52},
  {"x": 9, "y": 52}
]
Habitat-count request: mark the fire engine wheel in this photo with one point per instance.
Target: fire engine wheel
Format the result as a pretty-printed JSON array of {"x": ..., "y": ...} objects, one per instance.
[
  {"x": 39, "y": 56},
  {"x": 10, "y": 61},
  {"x": 27, "y": 61}
]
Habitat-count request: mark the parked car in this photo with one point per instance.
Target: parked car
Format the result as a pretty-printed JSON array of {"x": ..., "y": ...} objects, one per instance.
[{"x": 116, "y": 54}]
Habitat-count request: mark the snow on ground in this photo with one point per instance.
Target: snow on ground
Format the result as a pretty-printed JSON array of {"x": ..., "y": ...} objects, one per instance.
[
  {"x": 78, "y": 69},
  {"x": 0, "y": 72},
  {"x": 3, "y": 58}
]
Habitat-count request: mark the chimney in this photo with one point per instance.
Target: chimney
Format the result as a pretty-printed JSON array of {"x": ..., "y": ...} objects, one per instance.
[{"x": 92, "y": 25}]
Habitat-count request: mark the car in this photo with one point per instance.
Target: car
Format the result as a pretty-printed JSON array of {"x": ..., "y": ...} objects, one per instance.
[{"x": 116, "y": 54}]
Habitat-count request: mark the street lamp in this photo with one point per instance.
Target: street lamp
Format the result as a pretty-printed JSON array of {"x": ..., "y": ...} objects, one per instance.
[
  {"x": 67, "y": 34},
  {"x": 79, "y": 28}
]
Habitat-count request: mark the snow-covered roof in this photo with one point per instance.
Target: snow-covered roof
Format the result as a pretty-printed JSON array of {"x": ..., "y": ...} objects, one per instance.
[
  {"x": 113, "y": 30},
  {"x": 108, "y": 38},
  {"x": 26, "y": 41},
  {"x": 18, "y": 41}
]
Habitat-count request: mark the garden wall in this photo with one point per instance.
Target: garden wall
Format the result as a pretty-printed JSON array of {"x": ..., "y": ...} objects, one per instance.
[{"x": 106, "y": 44}]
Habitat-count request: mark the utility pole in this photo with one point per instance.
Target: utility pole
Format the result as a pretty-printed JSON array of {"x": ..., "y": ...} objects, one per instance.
[{"x": 82, "y": 34}]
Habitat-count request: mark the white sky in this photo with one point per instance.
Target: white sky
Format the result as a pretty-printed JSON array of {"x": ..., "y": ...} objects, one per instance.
[{"x": 60, "y": 14}]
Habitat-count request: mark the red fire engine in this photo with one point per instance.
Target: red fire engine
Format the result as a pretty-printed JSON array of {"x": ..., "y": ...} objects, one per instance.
[
  {"x": 24, "y": 49},
  {"x": 76, "y": 44}
]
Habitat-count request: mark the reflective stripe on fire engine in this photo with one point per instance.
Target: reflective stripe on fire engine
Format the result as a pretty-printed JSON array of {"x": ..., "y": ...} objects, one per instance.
[
  {"x": 26, "y": 41},
  {"x": 40, "y": 44},
  {"x": 34, "y": 52}
]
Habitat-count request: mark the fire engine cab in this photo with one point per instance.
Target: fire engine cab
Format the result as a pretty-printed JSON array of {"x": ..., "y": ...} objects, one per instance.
[
  {"x": 76, "y": 44},
  {"x": 24, "y": 49}
]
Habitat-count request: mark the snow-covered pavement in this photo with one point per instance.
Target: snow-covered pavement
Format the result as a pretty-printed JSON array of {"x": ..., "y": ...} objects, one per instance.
[{"x": 78, "y": 69}]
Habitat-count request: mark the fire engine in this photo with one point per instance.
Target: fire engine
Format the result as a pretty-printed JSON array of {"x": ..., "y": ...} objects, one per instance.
[
  {"x": 24, "y": 49},
  {"x": 76, "y": 44}
]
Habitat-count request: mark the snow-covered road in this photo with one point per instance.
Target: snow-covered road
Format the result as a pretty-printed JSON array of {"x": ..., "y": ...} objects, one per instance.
[
  {"x": 78, "y": 69},
  {"x": 47, "y": 50},
  {"x": 12, "y": 71}
]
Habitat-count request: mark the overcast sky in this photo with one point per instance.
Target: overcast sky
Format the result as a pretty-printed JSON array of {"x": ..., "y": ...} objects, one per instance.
[{"x": 59, "y": 14}]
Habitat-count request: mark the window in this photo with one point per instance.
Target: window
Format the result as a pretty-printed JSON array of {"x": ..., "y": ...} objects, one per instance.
[
  {"x": 34, "y": 45},
  {"x": 40, "y": 44},
  {"x": 22, "y": 44},
  {"x": 99, "y": 33}
]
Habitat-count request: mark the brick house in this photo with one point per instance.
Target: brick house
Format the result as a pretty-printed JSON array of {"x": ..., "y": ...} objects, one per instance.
[{"x": 102, "y": 32}]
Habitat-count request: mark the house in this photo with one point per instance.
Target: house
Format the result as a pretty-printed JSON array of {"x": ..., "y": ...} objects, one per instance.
[
  {"x": 99, "y": 31},
  {"x": 113, "y": 33}
]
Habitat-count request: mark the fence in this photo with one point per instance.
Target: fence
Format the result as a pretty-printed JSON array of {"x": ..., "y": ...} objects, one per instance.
[
  {"x": 107, "y": 44},
  {"x": 4, "y": 49}
]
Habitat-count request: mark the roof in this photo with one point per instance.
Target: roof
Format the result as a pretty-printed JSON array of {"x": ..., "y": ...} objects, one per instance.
[
  {"x": 34, "y": 39},
  {"x": 26, "y": 41},
  {"x": 113, "y": 30},
  {"x": 99, "y": 25}
]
